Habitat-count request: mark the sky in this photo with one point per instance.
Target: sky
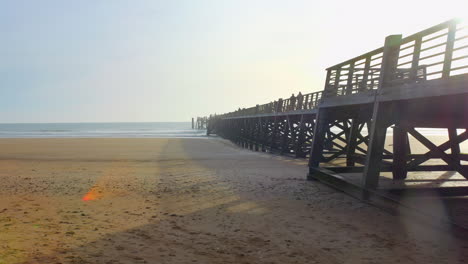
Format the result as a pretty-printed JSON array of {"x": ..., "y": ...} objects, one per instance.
[{"x": 159, "y": 61}]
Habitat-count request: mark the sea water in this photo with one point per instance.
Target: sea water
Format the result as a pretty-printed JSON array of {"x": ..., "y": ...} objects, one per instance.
[
  {"x": 100, "y": 130},
  {"x": 128, "y": 130}
]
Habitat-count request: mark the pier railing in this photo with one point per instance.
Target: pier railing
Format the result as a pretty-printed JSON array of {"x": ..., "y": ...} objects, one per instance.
[
  {"x": 361, "y": 73},
  {"x": 300, "y": 102},
  {"x": 437, "y": 52}
]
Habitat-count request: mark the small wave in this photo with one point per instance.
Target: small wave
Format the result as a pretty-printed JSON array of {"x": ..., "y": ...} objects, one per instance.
[{"x": 54, "y": 130}]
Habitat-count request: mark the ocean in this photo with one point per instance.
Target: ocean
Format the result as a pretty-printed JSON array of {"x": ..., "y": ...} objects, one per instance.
[
  {"x": 126, "y": 130},
  {"x": 100, "y": 130}
]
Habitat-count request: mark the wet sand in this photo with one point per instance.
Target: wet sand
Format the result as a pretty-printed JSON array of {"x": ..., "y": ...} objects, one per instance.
[{"x": 190, "y": 201}]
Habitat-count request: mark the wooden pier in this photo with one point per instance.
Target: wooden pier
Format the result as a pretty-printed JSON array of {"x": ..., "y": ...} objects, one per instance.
[
  {"x": 200, "y": 123},
  {"x": 420, "y": 81}
]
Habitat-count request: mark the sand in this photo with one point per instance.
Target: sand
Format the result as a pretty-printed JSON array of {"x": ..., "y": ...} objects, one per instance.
[{"x": 190, "y": 201}]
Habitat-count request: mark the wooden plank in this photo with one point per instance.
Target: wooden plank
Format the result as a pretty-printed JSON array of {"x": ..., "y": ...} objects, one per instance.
[
  {"x": 436, "y": 168},
  {"x": 297, "y": 112},
  {"x": 366, "y": 97},
  {"x": 347, "y": 169},
  {"x": 455, "y": 85},
  {"x": 428, "y": 192}
]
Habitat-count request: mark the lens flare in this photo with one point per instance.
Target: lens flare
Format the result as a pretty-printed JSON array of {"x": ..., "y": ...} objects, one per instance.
[{"x": 91, "y": 195}]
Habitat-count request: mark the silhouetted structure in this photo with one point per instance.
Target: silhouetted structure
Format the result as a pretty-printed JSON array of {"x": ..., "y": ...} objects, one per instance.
[
  {"x": 420, "y": 81},
  {"x": 201, "y": 123}
]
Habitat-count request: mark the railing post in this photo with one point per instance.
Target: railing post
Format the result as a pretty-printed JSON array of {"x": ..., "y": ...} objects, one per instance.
[
  {"x": 449, "y": 50},
  {"x": 365, "y": 76},
  {"x": 315, "y": 101},
  {"x": 415, "y": 61},
  {"x": 336, "y": 85},
  {"x": 381, "y": 115},
  {"x": 389, "y": 60},
  {"x": 328, "y": 87},
  {"x": 349, "y": 84}
]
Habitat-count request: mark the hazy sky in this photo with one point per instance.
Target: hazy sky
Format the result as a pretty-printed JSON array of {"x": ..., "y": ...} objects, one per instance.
[{"x": 136, "y": 60}]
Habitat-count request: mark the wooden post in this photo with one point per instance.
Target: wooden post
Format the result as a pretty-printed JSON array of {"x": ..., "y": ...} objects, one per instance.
[
  {"x": 248, "y": 133},
  {"x": 449, "y": 50},
  {"x": 365, "y": 77},
  {"x": 293, "y": 134},
  {"x": 415, "y": 61},
  {"x": 264, "y": 133},
  {"x": 251, "y": 133},
  {"x": 380, "y": 115},
  {"x": 352, "y": 142},
  {"x": 328, "y": 91},
  {"x": 454, "y": 145},
  {"x": 349, "y": 84},
  {"x": 258, "y": 130},
  {"x": 300, "y": 138},
  {"x": 284, "y": 140},
  {"x": 238, "y": 132},
  {"x": 273, "y": 134},
  {"x": 321, "y": 126},
  {"x": 400, "y": 152},
  {"x": 328, "y": 141},
  {"x": 336, "y": 85}
]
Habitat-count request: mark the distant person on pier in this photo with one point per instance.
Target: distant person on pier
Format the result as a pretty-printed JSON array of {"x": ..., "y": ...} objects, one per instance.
[
  {"x": 269, "y": 107},
  {"x": 279, "y": 106},
  {"x": 292, "y": 102},
  {"x": 299, "y": 99}
]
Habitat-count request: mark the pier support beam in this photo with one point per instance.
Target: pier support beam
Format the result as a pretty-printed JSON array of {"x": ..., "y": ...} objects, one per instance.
[
  {"x": 352, "y": 142},
  {"x": 286, "y": 128},
  {"x": 401, "y": 149},
  {"x": 274, "y": 134},
  {"x": 381, "y": 114},
  {"x": 298, "y": 149},
  {"x": 378, "y": 132},
  {"x": 316, "y": 152}
]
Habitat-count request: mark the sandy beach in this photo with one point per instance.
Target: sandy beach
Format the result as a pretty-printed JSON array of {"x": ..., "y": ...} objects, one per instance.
[{"x": 190, "y": 201}]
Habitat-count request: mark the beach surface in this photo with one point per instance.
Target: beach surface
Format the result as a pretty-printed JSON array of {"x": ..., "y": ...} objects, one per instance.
[{"x": 190, "y": 201}]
